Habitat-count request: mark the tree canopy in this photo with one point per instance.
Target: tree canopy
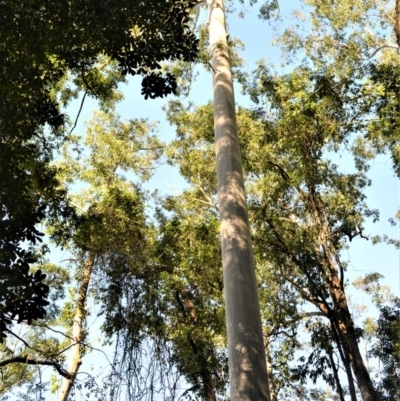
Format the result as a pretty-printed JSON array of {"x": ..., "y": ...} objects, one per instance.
[
  {"x": 42, "y": 42},
  {"x": 150, "y": 262}
]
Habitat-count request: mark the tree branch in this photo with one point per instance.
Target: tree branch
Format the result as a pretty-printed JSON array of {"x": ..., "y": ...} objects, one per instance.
[
  {"x": 28, "y": 361},
  {"x": 79, "y": 113},
  {"x": 385, "y": 46}
]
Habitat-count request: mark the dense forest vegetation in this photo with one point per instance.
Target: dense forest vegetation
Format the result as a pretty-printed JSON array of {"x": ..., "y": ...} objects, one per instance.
[{"x": 206, "y": 293}]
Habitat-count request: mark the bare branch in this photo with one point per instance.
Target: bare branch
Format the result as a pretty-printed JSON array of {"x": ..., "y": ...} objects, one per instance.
[
  {"x": 312, "y": 314},
  {"x": 378, "y": 49},
  {"x": 24, "y": 342},
  {"x": 29, "y": 361},
  {"x": 79, "y": 113}
]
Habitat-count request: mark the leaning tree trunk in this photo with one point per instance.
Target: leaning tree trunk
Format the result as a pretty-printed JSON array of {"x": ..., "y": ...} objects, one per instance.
[
  {"x": 77, "y": 330},
  {"x": 350, "y": 344},
  {"x": 247, "y": 367},
  {"x": 340, "y": 315}
]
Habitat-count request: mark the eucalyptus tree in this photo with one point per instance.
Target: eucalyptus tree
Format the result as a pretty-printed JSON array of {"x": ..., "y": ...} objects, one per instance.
[
  {"x": 247, "y": 366},
  {"x": 337, "y": 51},
  {"x": 318, "y": 206},
  {"x": 281, "y": 310}
]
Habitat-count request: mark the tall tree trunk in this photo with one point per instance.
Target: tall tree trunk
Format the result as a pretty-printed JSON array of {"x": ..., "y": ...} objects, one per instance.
[
  {"x": 343, "y": 322},
  {"x": 77, "y": 330},
  {"x": 247, "y": 366}
]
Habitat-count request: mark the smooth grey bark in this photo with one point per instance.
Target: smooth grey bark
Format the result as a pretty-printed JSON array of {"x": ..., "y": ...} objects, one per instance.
[{"x": 247, "y": 364}]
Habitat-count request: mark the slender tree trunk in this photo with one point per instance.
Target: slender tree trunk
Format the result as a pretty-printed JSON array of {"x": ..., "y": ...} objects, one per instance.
[
  {"x": 247, "y": 365},
  {"x": 77, "y": 330},
  {"x": 344, "y": 355},
  {"x": 271, "y": 384},
  {"x": 339, "y": 388}
]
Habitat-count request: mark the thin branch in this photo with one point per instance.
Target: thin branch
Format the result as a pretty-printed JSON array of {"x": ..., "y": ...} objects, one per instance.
[
  {"x": 150, "y": 168},
  {"x": 51, "y": 329},
  {"x": 207, "y": 203},
  {"x": 153, "y": 148},
  {"x": 282, "y": 172},
  {"x": 41, "y": 351},
  {"x": 69, "y": 259},
  {"x": 79, "y": 112},
  {"x": 78, "y": 207},
  {"x": 24, "y": 342},
  {"x": 385, "y": 46},
  {"x": 70, "y": 338},
  {"x": 188, "y": 391},
  {"x": 208, "y": 198},
  {"x": 304, "y": 294},
  {"x": 312, "y": 314}
]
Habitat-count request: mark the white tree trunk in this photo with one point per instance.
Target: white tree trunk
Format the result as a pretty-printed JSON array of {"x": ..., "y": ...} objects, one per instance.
[
  {"x": 77, "y": 330},
  {"x": 247, "y": 367}
]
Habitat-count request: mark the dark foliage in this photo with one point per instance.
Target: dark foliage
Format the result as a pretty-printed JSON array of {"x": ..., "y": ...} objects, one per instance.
[
  {"x": 39, "y": 42},
  {"x": 388, "y": 350},
  {"x": 388, "y": 107}
]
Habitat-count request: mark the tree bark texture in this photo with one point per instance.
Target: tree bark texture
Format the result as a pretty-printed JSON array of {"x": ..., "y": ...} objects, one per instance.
[
  {"x": 77, "y": 330},
  {"x": 247, "y": 365}
]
